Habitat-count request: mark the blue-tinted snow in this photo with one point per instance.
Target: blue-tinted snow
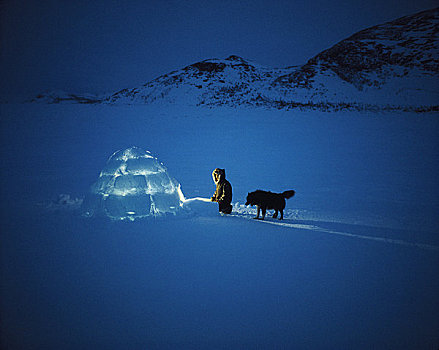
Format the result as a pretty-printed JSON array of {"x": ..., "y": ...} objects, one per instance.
[{"x": 208, "y": 281}]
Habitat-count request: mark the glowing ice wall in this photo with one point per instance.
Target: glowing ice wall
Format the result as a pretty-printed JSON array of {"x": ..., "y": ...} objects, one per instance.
[{"x": 133, "y": 184}]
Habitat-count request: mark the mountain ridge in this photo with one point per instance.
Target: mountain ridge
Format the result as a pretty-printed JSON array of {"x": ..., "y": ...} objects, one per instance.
[{"x": 390, "y": 66}]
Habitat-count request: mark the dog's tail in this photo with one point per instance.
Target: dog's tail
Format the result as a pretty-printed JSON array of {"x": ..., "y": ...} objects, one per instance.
[{"x": 288, "y": 194}]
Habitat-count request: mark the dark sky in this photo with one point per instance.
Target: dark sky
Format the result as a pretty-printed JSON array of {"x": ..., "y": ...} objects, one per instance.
[{"x": 104, "y": 46}]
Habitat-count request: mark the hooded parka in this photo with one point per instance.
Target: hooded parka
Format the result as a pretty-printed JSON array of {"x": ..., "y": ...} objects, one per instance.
[{"x": 223, "y": 193}]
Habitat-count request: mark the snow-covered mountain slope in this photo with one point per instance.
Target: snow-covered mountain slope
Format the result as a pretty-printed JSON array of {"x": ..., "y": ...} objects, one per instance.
[
  {"x": 231, "y": 81},
  {"x": 389, "y": 66},
  {"x": 392, "y": 63}
]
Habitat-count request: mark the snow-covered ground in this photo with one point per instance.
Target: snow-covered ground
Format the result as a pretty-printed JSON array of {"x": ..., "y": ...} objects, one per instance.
[{"x": 354, "y": 265}]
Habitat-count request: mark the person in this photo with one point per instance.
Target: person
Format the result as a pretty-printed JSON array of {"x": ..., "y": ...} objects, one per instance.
[{"x": 223, "y": 193}]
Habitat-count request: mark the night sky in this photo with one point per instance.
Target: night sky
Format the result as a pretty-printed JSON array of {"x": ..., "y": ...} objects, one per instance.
[{"x": 104, "y": 46}]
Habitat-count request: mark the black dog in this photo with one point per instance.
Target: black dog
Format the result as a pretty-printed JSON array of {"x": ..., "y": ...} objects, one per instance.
[{"x": 268, "y": 200}]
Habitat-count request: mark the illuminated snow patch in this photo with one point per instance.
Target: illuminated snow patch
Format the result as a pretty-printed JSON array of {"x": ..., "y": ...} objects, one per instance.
[{"x": 132, "y": 185}]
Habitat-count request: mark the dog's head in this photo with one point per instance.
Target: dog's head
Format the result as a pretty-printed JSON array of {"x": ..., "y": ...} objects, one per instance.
[{"x": 250, "y": 199}]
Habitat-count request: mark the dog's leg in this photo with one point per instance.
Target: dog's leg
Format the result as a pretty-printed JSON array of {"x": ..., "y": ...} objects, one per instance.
[
  {"x": 258, "y": 208},
  {"x": 281, "y": 214},
  {"x": 275, "y": 214},
  {"x": 264, "y": 209}
]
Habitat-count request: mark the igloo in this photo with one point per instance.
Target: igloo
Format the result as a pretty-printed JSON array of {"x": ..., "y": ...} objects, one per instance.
[{"x": 132, "y": 185}]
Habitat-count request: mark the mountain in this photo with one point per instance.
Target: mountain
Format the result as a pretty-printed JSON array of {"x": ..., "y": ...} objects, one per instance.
[
  {"x": 394, "y": 65},
  {"x": 395, "y": 62},
  {"x": 62, "y": 96},
  {"x": 231, "y": 81}
]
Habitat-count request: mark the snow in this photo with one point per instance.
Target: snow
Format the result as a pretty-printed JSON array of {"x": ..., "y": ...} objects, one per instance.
[
  {"x": 242, "y": 83},
  {"x": 354, "y": 264},
  {"x": 390, "y": 66}
]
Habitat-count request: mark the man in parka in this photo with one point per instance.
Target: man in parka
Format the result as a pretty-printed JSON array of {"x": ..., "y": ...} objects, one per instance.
[{"x": 223, "y": 193}]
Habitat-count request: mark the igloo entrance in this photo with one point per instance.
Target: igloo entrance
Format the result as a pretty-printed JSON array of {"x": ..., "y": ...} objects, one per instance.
[{"x": 133, "y": 184}]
